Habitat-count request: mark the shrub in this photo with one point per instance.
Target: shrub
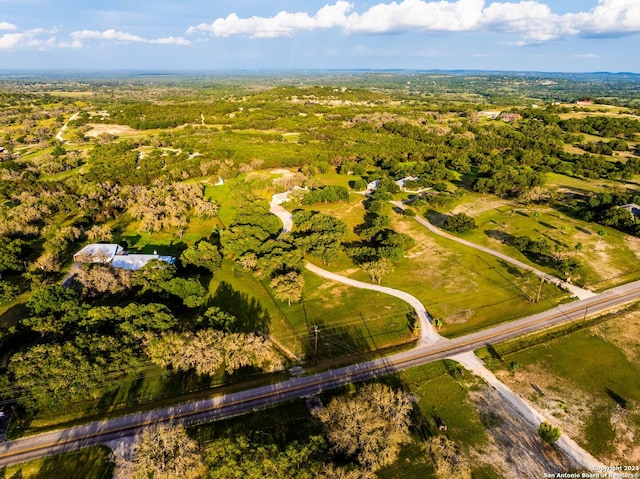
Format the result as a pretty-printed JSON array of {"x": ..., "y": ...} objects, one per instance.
[
  {"x": 459, "y": 223},
  {"x": 549, "y": 433}
]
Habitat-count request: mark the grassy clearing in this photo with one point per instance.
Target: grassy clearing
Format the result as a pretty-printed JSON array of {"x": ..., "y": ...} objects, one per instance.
[
  {"x": 588, "y": 381},
  {"x": 222, "y": 194},
  {"x": 249, "y": 293},
  {"x": 577, "y": 185},
  {"x": 441, "y": 397},
  {"x": 605, "y": 261},
  {"x": 90, "y": 463},
  {"x": 465, "y": 288},
  {"x": 351, "y": 320},
  {"x": 352, "y": 212}
]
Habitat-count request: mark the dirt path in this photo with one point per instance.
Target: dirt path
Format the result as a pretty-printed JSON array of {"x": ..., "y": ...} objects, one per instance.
[
  {"x": 428, "y": 335},
  {"x": 515, "y": 449},
  {"x": 474, "y": 364},
  {"x": 59, "y": 136},
  {"x": 577, "y": 291},
  {"x": 285, "y": 217}
]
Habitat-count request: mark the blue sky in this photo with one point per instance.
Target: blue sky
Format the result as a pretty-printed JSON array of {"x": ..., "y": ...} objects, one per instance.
[{"x": 539, "y": 35}]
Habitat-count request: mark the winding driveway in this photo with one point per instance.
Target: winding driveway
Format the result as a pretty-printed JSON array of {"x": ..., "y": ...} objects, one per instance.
[
  {"x": 577, "y": 291},
  {"x": 431, "y": 347},
  {"x": 59, "y": 136},
  {"x": 429, "y": 336}
]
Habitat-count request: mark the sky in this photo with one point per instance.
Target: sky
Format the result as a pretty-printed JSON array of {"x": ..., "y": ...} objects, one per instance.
[{"x": 219, "y": 35}]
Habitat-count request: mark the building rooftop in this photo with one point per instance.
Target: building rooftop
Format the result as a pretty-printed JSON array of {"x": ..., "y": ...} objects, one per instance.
[
  {"x": 134, "y": 262},
  {"x": 98, "y": 253}
]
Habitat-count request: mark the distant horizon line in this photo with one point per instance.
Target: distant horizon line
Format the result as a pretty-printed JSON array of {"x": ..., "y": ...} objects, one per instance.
[{"x": 183, "y": 71}]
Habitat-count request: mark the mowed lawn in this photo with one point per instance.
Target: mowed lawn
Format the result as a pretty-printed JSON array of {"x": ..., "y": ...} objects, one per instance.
[
  {"x": 90, "y": 463},
  {"x": 606, "y": 260},
  {"x": 349, "y": 320},
  {"x": 589, "y": 382},
  {"x": 466, "y": 289}
]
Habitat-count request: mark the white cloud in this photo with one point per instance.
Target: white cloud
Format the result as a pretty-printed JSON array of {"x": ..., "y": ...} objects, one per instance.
[
  {"x": 531, "y": 21},
  {"x": 106, "y": 35},
  {"x": 124, "y": 37},
  {"x": 29, "y": 39},
  {"x": 171, "y": 41},
  {"x": 609, "y": 17},
  {"x": 10, "y": 41},
  {"x": 7, "y": 26},
  {"x": 283, "y": 24},
  {"x": 463, "y": 15}
]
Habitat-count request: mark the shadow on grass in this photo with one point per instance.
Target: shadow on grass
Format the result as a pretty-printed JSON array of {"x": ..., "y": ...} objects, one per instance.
[
  {"x": 435, "y": 218},
  {"x": 250, "y": 313},
  {"x": 500, "y": 236},
  {"x": 492, "y": 351},
  {"x": 620, "y": 401},
  {"x": 547, "y": 225},
  {"x": 91, "y": 463},
  {"x": 13, "y": 315},
  {"x": 335, "y": 341}
]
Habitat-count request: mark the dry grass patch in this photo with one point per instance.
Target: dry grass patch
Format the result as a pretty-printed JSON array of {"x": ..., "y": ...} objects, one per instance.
[
  {"x": 515, "y": 449},
  {"x": 588, "y": 383},
  {"x": 98, "y": 129},
  {"x": 479, "y": 204}
]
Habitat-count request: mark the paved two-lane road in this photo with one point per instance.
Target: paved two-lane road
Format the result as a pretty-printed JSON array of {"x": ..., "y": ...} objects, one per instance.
[{"x": 236, "y": 403}]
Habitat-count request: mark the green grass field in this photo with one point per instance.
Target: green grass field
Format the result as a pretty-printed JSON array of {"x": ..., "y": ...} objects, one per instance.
[
  {"x": 605, "y": 261},
  {"x": 589, "y": 380},
  {"x": 351, "y": 320},
  {"x": 90, "y": 463}
]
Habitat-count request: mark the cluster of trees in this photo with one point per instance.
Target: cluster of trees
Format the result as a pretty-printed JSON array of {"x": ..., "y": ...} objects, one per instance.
[
  {"x": 590, "y": 166},
  {"x": 105, "y": 344},
  {"x": 381, "y": 246},
  {"x": 156, "y": 281},
  {"x": 326, "y": 194},
  {"x": 542, "y": 252},
  {"x": 319, "y": 234},
  {"x": 459, "y": 223},
  {"x": 357, "y": 436},
  {"x": 605, "y": 208},
  {"x": 100, "y": 344},
  {"x": 209, "y": 350},
  {"x": 165, "y": 206},
  {"x": 602, "y": 125},
  {"x": 251, "y": 242}
]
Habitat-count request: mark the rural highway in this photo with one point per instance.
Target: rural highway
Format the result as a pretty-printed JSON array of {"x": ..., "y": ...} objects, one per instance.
[{"x": 232, "y": 404}]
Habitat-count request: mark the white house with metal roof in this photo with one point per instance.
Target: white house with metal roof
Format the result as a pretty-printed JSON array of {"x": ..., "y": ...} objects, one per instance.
[
  {"x": 98, "y": 253},
  {"x": 117, "y": 257}
]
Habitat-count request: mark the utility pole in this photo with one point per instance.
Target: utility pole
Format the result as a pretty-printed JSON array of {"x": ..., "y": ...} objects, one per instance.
[
  {"x": 316, "y": 330},
  {"x": 539, "y": 289}
]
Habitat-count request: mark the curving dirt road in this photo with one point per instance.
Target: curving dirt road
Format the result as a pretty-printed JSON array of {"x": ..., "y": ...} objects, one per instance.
[
  {"x": 428, "y": 334},
  {"x": 577, "y": 291},
  {"x": 469, "y": 360},
  {"x": 59, "y": 136}
]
